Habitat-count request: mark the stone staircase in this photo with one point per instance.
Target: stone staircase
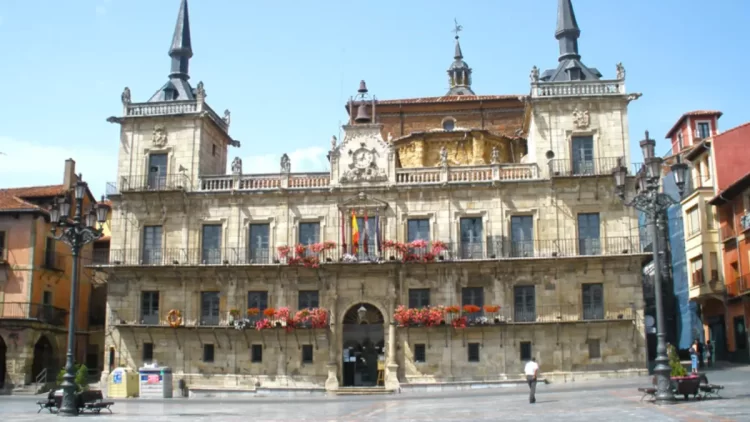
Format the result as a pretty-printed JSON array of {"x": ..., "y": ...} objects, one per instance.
[{"x": 362, "y": 391}]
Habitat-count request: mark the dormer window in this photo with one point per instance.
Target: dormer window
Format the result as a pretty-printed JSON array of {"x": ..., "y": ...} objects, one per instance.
[
  {"x": 170, "y": 94},
  {"x": 704, "y": 130},
  {"x": 449, "y": 124},
  {"x": 574, "y": 73}
]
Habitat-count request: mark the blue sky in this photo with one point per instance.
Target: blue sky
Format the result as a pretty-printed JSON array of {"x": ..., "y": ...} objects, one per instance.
[{"x": 285, "y": 68}]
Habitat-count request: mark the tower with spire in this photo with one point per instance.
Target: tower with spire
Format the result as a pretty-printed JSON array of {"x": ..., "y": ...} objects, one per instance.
[
  {"x": 459, "y": 73},
  {"x": 174, "y": 136},
  {"x": 578, "y": 121}
]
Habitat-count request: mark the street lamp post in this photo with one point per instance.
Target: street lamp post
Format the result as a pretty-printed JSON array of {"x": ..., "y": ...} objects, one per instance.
[
  {"x": 653, "y": 203},
  {"x": 75, "y": 233}
]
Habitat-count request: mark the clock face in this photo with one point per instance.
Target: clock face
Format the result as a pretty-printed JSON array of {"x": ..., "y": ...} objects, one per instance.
[{"x": 362, "y": 158}]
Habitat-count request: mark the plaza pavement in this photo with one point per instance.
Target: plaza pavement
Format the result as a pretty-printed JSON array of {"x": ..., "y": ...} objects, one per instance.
[{"x": 604, "y": 400}]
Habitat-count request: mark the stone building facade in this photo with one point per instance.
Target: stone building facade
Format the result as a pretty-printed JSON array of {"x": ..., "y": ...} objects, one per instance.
[{"x": 498, "y": 213}]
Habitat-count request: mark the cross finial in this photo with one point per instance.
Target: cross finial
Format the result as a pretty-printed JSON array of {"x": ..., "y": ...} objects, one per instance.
[
  {"x": 457, "y": 28},
  {"x": 647, "y": 135}
]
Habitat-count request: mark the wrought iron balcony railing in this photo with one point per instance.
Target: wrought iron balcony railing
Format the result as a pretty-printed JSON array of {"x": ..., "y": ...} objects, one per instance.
[
  {"x": 47, "y": 314},
  {"x": 489, "y": 249},
  {"x": 601, "y": 166},
  {"x": 155, "y": 182},
  {"x": 204, "y": 317}
]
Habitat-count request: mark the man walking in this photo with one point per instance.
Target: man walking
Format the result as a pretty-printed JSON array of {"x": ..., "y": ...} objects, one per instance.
[{"x": 531, "y": 370}]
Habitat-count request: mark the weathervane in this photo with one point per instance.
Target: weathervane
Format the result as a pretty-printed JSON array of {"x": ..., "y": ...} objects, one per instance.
[{"x": 458, "y": 28}]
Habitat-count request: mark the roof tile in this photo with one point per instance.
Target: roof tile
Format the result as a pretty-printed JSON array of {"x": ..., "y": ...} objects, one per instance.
[{"x": 36, "y": 191}]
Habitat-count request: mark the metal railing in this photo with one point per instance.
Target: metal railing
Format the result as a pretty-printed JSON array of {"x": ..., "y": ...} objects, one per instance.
[
  {"x": 740, "y": 286},
  {"x": 196, "y": 318},
  {"x": 601, "y": 166},
  {"x": 727, "y": 232},
  {"x": 564, "y": 313},
  {"x": 456, "y": 251},
  {"x": 154, "y": 182},
  {"x": 47, "y": 314}
]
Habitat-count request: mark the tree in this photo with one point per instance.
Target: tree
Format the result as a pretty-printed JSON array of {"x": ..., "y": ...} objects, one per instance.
[
  {"x": 677, "y": 370},
  {"x": 81, "y": 380}
]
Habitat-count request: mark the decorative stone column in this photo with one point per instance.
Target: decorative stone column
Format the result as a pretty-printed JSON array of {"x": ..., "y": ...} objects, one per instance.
[
  {"x": 332, "y": 382},
  {"x": 391, "y": 373}
]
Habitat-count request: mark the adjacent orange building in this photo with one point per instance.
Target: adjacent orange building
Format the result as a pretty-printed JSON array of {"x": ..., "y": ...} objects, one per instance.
[
  {"x": 732, "y": 204},
  {"x": 35, "y": 281}
]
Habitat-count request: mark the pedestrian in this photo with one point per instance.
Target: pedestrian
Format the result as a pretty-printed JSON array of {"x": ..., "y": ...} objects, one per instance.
[
  {"x": 700, "y": 353},
  {"x": 694, "y": 357},
  {"x": 707, "y": 355},
  {"x": 531, "y": 370}
]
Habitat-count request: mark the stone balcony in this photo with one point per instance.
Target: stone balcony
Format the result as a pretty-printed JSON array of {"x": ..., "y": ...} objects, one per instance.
[
  {"x": 597, "y": 88},
  {"x": 173, "y": 108}
]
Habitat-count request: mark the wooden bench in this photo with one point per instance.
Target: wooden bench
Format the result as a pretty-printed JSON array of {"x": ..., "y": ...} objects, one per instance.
[{"x": 93, "y": 401}]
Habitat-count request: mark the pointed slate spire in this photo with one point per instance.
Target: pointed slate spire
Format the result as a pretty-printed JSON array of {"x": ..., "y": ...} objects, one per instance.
[
  {"x": 458, "y": 55},
  {"x": 181, "y": 50},
  {"x": 567, "y": 32}
]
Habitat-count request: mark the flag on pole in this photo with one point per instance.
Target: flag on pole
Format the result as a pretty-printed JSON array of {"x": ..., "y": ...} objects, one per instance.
[
  {"x": 367, "y": 235},
  {"x": 355, "y": 234},
  {"x": 377, "y": 236}
]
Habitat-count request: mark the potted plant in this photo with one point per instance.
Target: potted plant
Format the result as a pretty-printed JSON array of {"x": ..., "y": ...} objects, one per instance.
[
  {"x": 234, "y": 314},
  {"x": 470, "y": 310}
]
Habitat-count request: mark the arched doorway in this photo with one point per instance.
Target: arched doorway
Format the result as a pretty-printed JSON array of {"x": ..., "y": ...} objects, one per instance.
[
  {"x": 3, "y": 355},
  {"x": 44, "y": 357},
  {"x": 363, "y": 345}
]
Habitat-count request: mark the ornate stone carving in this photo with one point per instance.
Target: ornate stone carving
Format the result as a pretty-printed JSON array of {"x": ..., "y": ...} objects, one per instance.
[
  {"x": 581, "y": 118},
  {"x": 362, "y": 166},
  {"x": 200, "y": 90},
  {"x": 125, "y": 97},
  {"x": 620, "y": 71},
  {"x": 534, "y": 76},
  {"x": 495, "y": 157},
  {"x": 334, "y": 141},
  {"x": 227, "y": 117},
  {"x": 444, "y": 156},
  {"x": 159, "y": 136},
  {"x": 237, "y": 165},
  {"x": 286, "y": 164}
]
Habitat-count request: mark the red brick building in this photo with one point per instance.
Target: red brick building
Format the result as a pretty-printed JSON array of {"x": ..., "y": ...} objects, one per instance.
[{"x": 732, "y": 202}]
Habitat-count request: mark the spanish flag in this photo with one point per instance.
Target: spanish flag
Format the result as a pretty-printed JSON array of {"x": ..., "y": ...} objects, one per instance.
[{"x": 355, "y": 234}]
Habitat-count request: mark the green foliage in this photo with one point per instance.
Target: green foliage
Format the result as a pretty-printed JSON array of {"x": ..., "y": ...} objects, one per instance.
[
  {"x": 677, "y": 370},
  {"x": 81, "y": 380}
]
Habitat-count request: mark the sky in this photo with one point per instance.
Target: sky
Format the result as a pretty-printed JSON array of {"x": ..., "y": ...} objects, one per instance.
[{"x": 286, "y": 68}]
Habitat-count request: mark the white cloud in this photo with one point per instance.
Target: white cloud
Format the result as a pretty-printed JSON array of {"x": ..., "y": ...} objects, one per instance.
[
  {"x": 302, "y": 160},
  {"x": 24, "y": 163}
]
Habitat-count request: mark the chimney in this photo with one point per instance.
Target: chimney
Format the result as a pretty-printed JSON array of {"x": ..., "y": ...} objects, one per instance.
[{"x": 69, "y": 178}]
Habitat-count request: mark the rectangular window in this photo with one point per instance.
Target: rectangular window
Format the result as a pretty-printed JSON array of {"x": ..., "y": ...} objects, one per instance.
[
  {"x": 714, "y": 266},
  {"x": 208, "y": 353},
  {"x": 211, "y": 244},
  {"x": 258, "y": 244},
  {"x": 473, "y": 296},
  {"x": 472, "y": 238},
  {"x": 419, "y": 298},
  {"x": 583, "y": 155},
  {"x": 308, "y": 299},
  {"x": 209, "y": 308},
  {"x": 525, "y": 351},
  {"x": 259, "y": 301},
  {"x": 595, "y": 350},
  {"x": 148, "y": 352},
  {"x": 157, "y": 171},
  {"x": 419, "y": 353},
  {"x": 693, "y": 221},
  {"x": 696, "y": 270},
  {"x": 524, "y": 304},
  {"x": 256, "y": 353},
  {"x": 307, "y": 353},
  {"x": 473, "y": 349},
  {"x": 47, "y": 298},
  {"x": 151, "y": 245},
  {"x": 588, "y": 234},
  {"x": 213, "y": 150},
  {"x": 522, "y": 236},
  {"x": 680, "y": 141},
  {"x": 3, "y": 248},
  {"x": 50, "y": 254},
  {"x": 418, "y": 229},
  {"x": 710, "y": 219},
  {"x": 593, "y": 301},
  {"x": 309, "y": 233},
  {"x": 150, "y": 308},
  {"x": 704, "y": 130}
]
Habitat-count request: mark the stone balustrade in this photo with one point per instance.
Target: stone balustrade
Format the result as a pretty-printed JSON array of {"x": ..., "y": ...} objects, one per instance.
[
  {"x": 577, "y": 88},
  {"x": 171, "y": 108}
]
